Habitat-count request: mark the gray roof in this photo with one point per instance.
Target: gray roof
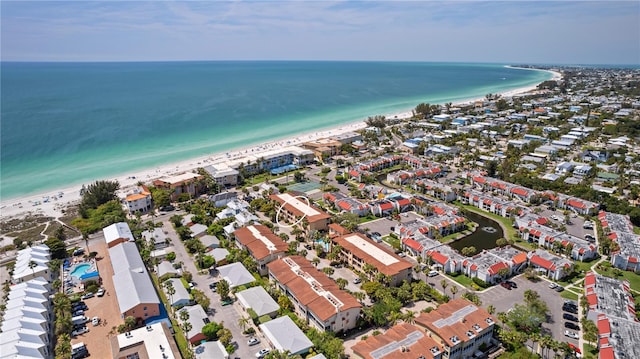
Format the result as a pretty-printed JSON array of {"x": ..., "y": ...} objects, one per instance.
[
  {"x": 209, "y": 350},
  {"x": 259, "y": 300},
  {"x": 197, "y": 229},
  {"x": 197, "y": 318},
  {"x": 210, "y": 241},
  {"x": 165, "y": 267},
  {"x": 156, "y": 237},
  {"x": 219, "y": 254},
  {"x": 181, "y": 296},
  {"x": 131, "y": 281},
  {"x": 285, "y": 335},
  {"x": 235, "y": 274},
  {"x": 117, "y": 231}
]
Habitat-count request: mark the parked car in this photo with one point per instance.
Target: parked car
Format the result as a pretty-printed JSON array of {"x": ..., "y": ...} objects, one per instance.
[
  {"x": 571, "y": 325},
  {"x": 559, "y": 288},
  {"x": 87, "y": 296},
  {"x": 100, "y": 292},
  {"x": 80, "y": 354},
  {"x": 227, "y": 302},
  {"x": 79, "y": 306},
  {"x": 357, "y": 281},
  {"x": 78, "y": 312},
  {"x": 432, "y": 273},
  {"x": 95, "y": 321},
  {"x": 506, "y": 285},
  {"x": 253, "y": 341},
  {"x": 80, "y": 331},
  {"x": 570, "y": 309},
  {"x": 552, "y": 285},
  {"x": 571, "y": 334},
  {"x": 570, "y": 317},
  {"x": 512, "y": 284},
  {"x": 262, "y": 353}
]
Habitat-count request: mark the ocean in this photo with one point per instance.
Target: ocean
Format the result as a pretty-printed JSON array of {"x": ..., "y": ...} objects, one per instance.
[{"x": 64, "y": 124}]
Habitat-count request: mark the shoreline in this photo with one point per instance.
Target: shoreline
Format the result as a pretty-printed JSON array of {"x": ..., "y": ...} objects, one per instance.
[{"x": 52, "y": 203}]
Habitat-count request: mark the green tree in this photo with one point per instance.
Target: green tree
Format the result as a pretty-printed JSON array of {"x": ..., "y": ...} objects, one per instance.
[
  {"x": 57, "y": 247},
  {"x": 98, "y": 193},
  {"x": 453, "y": 290},
  {"x": 342, "y": 283},
  {"x": 184, "y": 318},
  {"x": 211, "y": 329},
  {"x": 469, "y": 251},
  {"x": 223, "y": 289},
  {"x": 170, "y": 289}
]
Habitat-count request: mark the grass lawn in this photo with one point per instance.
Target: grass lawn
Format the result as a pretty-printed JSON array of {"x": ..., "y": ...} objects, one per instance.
[
  {"x": 393, "y": 241},
  {"x": 636, "y": 230},
  {"x": 590, "y": 351},
  {"x": 181, "y": 340},
  {"x": 567, "y": 294},
  {"x": 462, "y": 279}
]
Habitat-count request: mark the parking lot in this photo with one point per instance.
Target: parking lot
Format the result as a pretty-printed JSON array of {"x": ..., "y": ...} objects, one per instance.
[
  {"x": 503, "y": 299},
  {"x": 106, "y": 307}
]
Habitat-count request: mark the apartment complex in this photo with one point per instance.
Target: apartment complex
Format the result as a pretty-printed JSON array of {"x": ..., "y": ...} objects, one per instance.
[
  {"x": 294, "y": 210},
  {"x": 316, "y": 297},
  {"x": 263, "y": 245}
]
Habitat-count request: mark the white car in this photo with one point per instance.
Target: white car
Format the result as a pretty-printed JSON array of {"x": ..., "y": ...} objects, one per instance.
[
  {"x": 552, "y": 285},
  {"x": 100, "y": 292},
  {"x": 253, "y": 341},
  {"x": 262, "y": 353},
  {"x": 80, "y": 331},
  {"x": 571, "y": 334},
  {"x": 95, "y": 321}
]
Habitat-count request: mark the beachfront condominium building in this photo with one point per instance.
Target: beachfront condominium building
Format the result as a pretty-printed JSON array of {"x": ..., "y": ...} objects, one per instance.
[
  {"x": 459, "y": 327},
  {"x": 294, "y": 210},
  {"x": 316, "y": 297},
  {"x": 185, "y": 183},
  {"x": 135, "y": 292},
  {"x": 139, "y": 201},
  {"x": 263, "y": 245},
  {"x": 223, "y": 175},
  {"x": 26, "y": 323},
  {"x": 32, "y": 262},
  {"x": 372, "y": 259}
]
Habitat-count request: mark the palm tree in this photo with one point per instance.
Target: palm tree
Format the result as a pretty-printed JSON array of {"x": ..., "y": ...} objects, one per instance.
[
  {"x": 545, "y": 342},
  {"x": 359, "y": 296},
  {"x": 243, "y": 322},
  {"x": 32, "y": 266},
  {"x": 491, "y": 309},
  {"x": 409, "y": 317},
  {"x": 453, "y": 290},
  {"x": 168, "y": 286},
  {"x": 315, "y": 261},
  {"x": 186, "y": 326},
  {"x": 444, "y": 284}
]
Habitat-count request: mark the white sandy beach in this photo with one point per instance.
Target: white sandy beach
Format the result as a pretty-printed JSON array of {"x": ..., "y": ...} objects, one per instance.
[{"x": 52, "y": 203}]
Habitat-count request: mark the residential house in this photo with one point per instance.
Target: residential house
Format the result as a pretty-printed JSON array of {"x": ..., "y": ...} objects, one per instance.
[
  {"x": 140, "y": 201},
  {"x": 32, "y": 263},
  {"x": 258, "y": 300},
  {"x": 180, "y": 297},
  {"x": 285, "y": 336},
  {"x": 235, "y": 274},
  {"x": 197, "y": 318}
]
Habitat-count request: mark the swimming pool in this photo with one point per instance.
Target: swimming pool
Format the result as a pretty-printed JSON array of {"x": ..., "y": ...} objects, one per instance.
[{"x": 80, "y": 269}]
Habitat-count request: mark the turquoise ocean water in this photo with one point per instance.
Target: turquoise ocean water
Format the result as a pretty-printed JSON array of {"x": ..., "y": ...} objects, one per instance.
[{"x": 64, "y": 124}]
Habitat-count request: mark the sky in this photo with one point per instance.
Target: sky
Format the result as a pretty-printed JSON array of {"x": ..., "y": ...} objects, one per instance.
[{"x": 533, "y": 32}]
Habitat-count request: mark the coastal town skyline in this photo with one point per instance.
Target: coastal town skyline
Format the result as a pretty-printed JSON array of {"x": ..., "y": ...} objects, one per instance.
[{"x": 568, "y": 32}]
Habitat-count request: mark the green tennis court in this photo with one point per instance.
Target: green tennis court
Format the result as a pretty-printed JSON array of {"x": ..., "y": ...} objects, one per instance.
[{"x": 304, "y": 186}]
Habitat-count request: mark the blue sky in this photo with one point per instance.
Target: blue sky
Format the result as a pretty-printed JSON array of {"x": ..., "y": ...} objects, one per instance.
[{"x": 564, "y": 32}]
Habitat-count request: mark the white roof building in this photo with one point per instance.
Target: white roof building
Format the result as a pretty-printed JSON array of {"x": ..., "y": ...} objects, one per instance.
[
  {"x": 117, "y": 233},
  {"x": 181, "y": 296},
  {"x": 259, "y": 300},
  {"x": 285, "y": 335},
  {"x": 32, "y": 263},
  {"x": 235, "y": 274}
]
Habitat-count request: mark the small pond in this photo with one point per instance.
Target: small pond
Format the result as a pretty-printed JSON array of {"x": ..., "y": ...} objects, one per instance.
[{"x": 484, "y": 237}]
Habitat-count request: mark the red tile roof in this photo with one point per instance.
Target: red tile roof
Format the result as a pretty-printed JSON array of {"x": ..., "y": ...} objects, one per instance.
[
  {"x": 412, "y": 244},
  {"x": 520, "y": 191},
  {"x": 576, "y": 204},
  {"x": 540, "y": 262},
  {"x": 256, "y": 246},
  {"x": 494, "y": 269},
  {"x": 439, "y": 257}
]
